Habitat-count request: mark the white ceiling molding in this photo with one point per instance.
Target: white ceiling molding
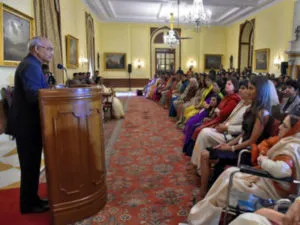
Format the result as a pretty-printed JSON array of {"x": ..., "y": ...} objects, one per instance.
[{"x": 224, "y": 12}]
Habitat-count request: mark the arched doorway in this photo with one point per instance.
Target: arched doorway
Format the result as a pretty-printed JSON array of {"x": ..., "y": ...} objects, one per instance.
[
  {"x": 246, "y": 43},
  {"x": 159, "y": 49}
]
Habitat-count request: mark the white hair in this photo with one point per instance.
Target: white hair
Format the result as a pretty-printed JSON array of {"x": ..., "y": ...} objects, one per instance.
[{"x": 35, "y": 41}]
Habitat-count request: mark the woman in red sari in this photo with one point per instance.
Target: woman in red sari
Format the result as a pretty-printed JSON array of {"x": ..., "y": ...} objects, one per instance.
[{"x": 224, "y": 109}]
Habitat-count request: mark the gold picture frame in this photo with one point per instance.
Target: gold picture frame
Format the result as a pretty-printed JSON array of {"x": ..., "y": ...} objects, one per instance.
[
  {"x": 72, "y": 56},
  {"x": 17, "y": 30},
  {"x": 262, "y": 60},
  {"x": 212, "y": 61},
  {"x": 114, "y": 61}
]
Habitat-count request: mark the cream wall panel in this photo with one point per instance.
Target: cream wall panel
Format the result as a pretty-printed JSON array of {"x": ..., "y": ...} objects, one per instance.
[
  {"x": 115, "y": 38},
  {"x": 140, "y": 43},
  {"x": 190, "y": 49},
  {"x": 213, "y": 41}
]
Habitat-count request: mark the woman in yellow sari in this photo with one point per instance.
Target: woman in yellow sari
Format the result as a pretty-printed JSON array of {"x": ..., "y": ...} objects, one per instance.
[{"x": 194, "y": 109}]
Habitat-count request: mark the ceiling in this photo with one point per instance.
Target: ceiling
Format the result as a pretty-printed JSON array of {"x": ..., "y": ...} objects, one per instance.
[{"x": 224, "y": 12}]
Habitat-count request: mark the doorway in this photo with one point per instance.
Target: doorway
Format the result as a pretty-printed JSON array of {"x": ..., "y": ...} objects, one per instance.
[
  {"x": 165, "y": 60},
  {"x": 246, "y": 43}
]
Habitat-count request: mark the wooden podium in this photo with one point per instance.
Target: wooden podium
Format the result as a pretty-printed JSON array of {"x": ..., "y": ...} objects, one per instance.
[{"x": 73, "y": 140}]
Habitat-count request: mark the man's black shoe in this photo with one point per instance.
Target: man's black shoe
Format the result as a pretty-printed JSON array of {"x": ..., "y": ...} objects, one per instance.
[
  {"x": 35, "y": 209},
  {"x": 43, "y": 201}
]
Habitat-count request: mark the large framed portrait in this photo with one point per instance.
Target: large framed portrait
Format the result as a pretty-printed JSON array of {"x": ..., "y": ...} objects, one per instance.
[
  {"x": 262, "y": 60},
  {"x": 17, "y": 30},
  {"x": 212, "y": 61},
  {"x": 72, "y": 52},
  {"x": 114, "y": 61}
]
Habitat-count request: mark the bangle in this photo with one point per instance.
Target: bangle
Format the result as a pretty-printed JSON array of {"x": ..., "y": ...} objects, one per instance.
[{"x": 232, "y": 148}]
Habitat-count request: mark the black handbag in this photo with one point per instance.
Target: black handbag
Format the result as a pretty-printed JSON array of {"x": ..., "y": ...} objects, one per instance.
[{"x": 221, "y": 154}]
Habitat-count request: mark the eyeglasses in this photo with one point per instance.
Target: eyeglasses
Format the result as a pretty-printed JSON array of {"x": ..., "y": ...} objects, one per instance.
[{"x": 50, "y": 49}]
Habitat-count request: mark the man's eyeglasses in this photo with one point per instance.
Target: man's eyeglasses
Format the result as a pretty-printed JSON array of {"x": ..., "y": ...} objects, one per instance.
[{"x": 50, "y": 49}]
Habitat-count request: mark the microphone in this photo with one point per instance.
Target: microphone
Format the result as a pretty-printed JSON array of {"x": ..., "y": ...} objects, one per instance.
[{"x": 61, "y": 67}]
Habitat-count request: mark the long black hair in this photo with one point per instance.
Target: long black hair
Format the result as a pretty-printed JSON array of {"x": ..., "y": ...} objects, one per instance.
[{"x": 263, "y": 97}]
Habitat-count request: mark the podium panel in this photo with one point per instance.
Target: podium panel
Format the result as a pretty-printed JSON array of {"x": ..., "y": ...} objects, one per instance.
[{"x": 73, "y": 141}]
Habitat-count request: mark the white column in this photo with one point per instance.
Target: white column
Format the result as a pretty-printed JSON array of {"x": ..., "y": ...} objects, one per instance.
[
  {"x": 296, "y": 16},
  {"x": 294, "y": 50}
]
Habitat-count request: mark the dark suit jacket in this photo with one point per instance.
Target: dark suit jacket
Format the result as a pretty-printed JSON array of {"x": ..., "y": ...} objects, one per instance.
[{"x": 24, "y": 115}]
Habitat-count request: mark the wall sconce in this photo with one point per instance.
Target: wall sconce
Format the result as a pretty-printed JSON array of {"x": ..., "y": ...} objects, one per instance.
[
  {"x": 83, "y": 61},
  {"x": 277, "y": 62},
  {"x": 139, "y": 63},
  {"x": 191, "y": 63}
]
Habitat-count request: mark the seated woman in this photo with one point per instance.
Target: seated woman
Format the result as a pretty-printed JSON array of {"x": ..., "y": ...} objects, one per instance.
[
  {"x": 169, "y": 88},
  {"x": 266, "y": 216},
  {"x": 193, "y": 120},
  {"x": 255, "y": 128},
  {"x": 147, "y": 87},
  {"x": 117, "y": 106},
  {"x": 157, "y": 93},
  {"x": 205, "y": 113},
  {"x": 175, "y": 91},
  {"x": 192, "y": 101},
  {"x": 183, "y": 91},
  {"x": 153, "y": 87},
  {"x": 194, "y": 109},
  {"x": 188, "y": 94},
  {"x": 231, "y": 127},
  {"x": 282, "y": 161},
  {"x": 225, "y": 107}
]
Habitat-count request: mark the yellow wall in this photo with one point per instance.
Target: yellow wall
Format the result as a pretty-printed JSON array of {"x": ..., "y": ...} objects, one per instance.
[
  {"x": 73, "y": 23},
  {"x": 134, "y": 40},
  {"x": 273, "y": 29},
  {"x": 25, "y": 6}
]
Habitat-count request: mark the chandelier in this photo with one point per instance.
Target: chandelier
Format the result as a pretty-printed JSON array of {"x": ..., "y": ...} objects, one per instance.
[
  {"x": 170, "y": 37},
  {"x": 199, "y": 16}
]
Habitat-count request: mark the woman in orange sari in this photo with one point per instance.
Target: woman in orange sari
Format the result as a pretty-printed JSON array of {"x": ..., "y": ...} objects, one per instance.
[{"x": 281, "y": 160}]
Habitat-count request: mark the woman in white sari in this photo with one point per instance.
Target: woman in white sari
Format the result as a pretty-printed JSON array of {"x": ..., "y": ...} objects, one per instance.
[
  {"x": 281, "y": 160},
  {"x": 117, "y": 106}
]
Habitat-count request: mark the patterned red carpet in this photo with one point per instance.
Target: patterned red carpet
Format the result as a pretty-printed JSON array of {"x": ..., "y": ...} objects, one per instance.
[
  {"x": 148, "y": 178},
  {"x": 149, "y": 181}
]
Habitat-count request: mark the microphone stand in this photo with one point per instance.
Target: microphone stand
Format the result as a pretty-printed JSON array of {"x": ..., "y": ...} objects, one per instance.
[{"x": 68, "y": 80}]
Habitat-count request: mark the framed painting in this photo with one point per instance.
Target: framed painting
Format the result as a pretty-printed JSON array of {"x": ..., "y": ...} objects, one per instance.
[
  {"x": 262, "y": 60},
  {"x": 114, "y": 61},
  {"x": 72, "y": 52},
  {"x": 17, "y": 30},
  {"x": 212, "y": 61}
]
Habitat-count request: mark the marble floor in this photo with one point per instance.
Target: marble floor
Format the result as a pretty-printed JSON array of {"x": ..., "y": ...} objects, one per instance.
[{"x": 9, "y": 162}]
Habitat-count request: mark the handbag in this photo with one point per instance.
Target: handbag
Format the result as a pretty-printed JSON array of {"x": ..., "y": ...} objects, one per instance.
[{"x": 220, "y": 154}]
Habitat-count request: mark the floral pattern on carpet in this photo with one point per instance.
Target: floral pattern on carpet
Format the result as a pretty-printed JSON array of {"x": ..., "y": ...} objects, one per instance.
[{"x": 149, "y": 180}]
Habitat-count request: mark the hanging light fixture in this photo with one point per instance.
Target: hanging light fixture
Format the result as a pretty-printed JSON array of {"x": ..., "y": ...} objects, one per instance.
[
  {"x": 199, "y": 16},
  {"x": 170, "y": 38}
]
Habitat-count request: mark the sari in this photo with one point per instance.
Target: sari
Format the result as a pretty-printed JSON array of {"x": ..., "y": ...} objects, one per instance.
[
  {"x": 191, "y": 110},
  {"x": 208, "y": 211},
  {"x": 226, "y": 106}
]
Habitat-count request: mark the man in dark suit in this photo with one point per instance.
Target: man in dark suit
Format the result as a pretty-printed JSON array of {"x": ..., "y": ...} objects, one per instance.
[{"x": 25, "y": 121}]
